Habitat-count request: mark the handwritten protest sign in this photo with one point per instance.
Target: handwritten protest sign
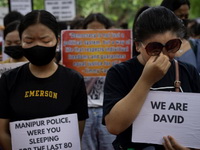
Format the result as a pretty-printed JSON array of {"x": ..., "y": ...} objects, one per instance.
[
  {"x": 93, "y": 52},
  {"x": 169, "y": 113},
  {"x": 53, "y": 133}
]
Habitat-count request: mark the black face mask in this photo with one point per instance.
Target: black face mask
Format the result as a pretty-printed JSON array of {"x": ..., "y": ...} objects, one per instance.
[
  {"x": 16, "y": 52},
  {"x": 40, "y": 55}
]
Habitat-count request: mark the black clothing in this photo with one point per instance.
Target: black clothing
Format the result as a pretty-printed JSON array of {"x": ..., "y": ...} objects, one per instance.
[
  {"x": 122, "y": 77},
  {"x": 24, "y": 96}
]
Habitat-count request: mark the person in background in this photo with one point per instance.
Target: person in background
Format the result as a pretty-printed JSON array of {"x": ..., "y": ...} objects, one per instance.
[
  {"x": 38, "y": 31},
  {"x": 12, "y": 43},
  {"x": 181, "y": 10},
  {"x": 12, "y": 16},
  {"x": 124, "y": 25},
  {"x": 179, "y": 7},
  {"x": 96, "y": 21},
  {"x": 128, "y": 83},
  {"x": 96, "y": 136},
  {"x": 77, "y": 23},
  {"x": 194, "y": 28}
]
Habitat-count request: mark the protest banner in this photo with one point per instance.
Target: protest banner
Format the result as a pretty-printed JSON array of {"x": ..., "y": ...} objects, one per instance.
[
  {"x": 169, "y": 113},
  {"x": 3, "y": 12},
  {"x": 63, "y": 10},
  {"x": 53, "y": 133},
  {"x": 93, "y": 52},
  {"x": 22, "y": 6}
]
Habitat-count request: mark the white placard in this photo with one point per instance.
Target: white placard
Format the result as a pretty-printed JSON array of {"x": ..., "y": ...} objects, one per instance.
[
  {"x": 9, "y": 66},
  {"x": 22, "y": 6},
  {"x": 3, "y": 12},
  {"x": 169, "y": 113},
  {"x": 53, "y": 133},
  {"x": 63, "y": 10}
]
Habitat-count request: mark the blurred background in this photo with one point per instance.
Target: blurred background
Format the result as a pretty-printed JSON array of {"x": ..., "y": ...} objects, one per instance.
[{"x": 121, "y": 12}]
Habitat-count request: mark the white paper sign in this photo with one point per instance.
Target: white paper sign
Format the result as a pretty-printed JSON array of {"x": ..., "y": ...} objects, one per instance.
[
  {"x": 9, "y": 66},
  {"x": 63, "y": 10},
  {"x": 169, "y": 113},
  {"x": 3, "y": 12},
  {"x": 53, "y": 133},
  {"x": 22, "y": 6}
]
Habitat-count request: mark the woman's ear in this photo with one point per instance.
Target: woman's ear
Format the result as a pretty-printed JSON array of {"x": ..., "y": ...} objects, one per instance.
[{"x": 137, "y": 46}]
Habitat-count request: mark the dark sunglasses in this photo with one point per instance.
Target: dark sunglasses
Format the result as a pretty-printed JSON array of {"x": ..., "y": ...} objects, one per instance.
[{"x": 155, "y": 48}]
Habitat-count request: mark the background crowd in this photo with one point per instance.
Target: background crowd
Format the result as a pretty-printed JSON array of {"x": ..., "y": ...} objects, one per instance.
[{"x": 101, "y": 105}]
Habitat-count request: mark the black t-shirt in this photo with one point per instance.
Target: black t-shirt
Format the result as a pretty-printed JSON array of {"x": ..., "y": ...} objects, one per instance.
[
  {"x": 122, "y": 77},
  {"x": 24, "y": 96}
]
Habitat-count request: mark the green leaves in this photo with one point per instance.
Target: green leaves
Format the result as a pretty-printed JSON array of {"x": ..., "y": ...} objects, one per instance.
[{"x": 119, "y": 11}]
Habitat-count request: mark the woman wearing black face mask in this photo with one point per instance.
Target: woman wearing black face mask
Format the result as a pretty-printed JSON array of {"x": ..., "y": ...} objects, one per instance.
[
  {"x": 29, "y": 96},
  {"x": 13, "y": 43}
]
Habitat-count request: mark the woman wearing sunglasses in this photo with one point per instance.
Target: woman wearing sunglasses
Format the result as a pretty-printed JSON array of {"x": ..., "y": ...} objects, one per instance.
[{"x": 157, "y": 35}]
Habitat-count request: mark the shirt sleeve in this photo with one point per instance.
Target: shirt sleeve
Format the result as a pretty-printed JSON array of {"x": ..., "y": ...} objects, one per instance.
[{"x": 114, "y": 89}]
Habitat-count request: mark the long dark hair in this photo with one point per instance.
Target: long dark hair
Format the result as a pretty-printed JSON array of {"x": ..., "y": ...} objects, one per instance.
[
  {"x": 39, "y": 16},
  {"x": 13, "y": 26},
  {"x": 174, "y": 4},
  {"x": 135, "y": 53},
  {"x": 156, "y": 20}
]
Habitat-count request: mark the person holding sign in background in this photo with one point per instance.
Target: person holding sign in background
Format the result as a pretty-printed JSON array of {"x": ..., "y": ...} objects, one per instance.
[
  {"x": 95, "y": 134},
  {"x": 41, "y": 88},
  {"x": 157, "y": 35}
]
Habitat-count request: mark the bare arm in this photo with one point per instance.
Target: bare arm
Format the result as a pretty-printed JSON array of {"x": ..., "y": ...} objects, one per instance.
[
  {"x": 90, "y": 84},
  {"x": 81, "y": 127},
  {"x": 126, "y": 110},
  {"x": 5, "y": 139}
]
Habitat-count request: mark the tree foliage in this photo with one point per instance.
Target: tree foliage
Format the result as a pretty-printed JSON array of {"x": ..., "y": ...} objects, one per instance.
[
  {"x": 119, "y": 11},
  {"x": 194, "y": 10},
  {"x": 3, "y": 3}
]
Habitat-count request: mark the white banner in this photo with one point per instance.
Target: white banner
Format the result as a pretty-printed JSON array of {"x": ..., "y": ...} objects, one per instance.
[
  {"x": 3, "y": 12},
  {"x": 63, "y": 10},
  {"x": 22, "y": 6},
  {"x": 169, "y": 113},
  {"x": 53, "y": 133}
]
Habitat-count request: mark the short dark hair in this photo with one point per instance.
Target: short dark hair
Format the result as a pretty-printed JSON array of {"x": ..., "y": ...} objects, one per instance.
[
  {"x": 140, "y": 10},
  {"x": 12, "y": 16},
  {"x": 156, "y": 20},
  {"x": 11, "y": 27},
  {"x": 97, "y": 17},
  {"x": 39, "y": 16},
  {"x": 77, "y": 23},
  {"x": 174, "y": 4},
  {"x": 194, "y": 29}
]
